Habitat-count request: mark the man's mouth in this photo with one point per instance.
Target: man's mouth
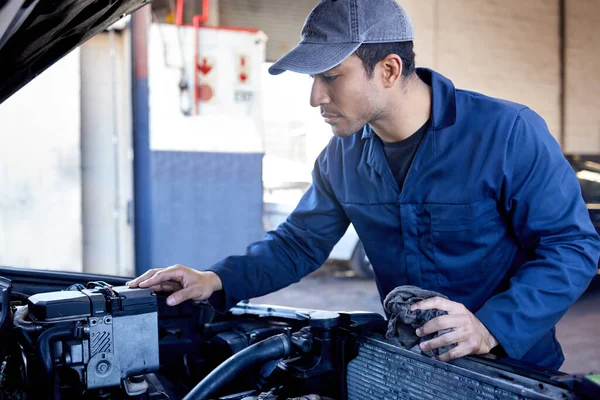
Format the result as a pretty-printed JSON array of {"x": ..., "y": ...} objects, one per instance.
[{"x": 330, "y": 117}]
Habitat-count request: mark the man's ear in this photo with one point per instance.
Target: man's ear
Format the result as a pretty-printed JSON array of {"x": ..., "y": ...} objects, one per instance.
[{"x": 390, "y": 70}]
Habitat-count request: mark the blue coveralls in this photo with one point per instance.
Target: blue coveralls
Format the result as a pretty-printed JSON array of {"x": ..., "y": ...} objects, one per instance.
[{"x": 490, "y": 214}]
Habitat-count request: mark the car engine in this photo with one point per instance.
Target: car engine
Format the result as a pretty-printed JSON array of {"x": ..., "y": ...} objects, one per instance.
[
  {"x": 97, "y": 336},
  {"x": 99, "y": 339}
]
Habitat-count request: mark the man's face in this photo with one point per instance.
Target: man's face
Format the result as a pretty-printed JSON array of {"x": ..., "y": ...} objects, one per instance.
[{"x": 347, "y": 97}]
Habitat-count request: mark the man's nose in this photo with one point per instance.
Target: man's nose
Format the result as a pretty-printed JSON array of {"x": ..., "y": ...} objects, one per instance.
[{"x": 318, "y": 93}]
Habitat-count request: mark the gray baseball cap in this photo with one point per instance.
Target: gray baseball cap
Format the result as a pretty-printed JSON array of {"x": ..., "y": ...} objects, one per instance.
[{"x": 334, "y": 29}]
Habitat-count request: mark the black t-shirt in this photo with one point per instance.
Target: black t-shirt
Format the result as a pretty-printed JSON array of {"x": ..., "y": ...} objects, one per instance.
[{"x": 400, "y": 154}]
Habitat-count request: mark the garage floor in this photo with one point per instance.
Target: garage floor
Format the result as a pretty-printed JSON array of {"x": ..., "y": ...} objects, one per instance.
[{"x": 334, "y": 288}]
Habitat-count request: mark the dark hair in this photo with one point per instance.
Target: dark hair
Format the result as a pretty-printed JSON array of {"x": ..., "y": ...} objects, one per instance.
[{"x": 372, "y": 53}]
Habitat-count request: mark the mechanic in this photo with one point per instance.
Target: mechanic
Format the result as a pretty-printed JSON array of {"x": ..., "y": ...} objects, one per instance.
[{"x": 449, "y": 190}]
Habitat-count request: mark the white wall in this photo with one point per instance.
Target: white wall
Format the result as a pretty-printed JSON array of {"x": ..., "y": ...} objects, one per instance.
[
  {"x": 107, "y": 150},
  {"x": 66, "y": 164},
  {"x": 293, "y": 129},
  {"x": 40, "y": 179},
  {"x": 223, "y": 124}
]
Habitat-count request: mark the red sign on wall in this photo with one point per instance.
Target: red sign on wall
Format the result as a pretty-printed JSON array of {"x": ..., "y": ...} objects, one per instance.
[
  {"x": 243, "y": 75},
  {"x": 204, "y": 67},
  {"x": 205, "y": 81},
  {"x": 205, "y": 92}
]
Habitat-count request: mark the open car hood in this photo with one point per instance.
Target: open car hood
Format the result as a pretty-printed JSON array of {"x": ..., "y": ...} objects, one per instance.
[{"x": 35, "y": 34}]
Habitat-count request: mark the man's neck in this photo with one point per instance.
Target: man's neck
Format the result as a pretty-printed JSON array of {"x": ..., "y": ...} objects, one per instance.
[{"x": 406, "y": 113}]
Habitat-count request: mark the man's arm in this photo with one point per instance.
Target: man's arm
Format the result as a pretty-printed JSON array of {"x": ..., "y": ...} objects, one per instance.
[
  {"x": 542, "y": 198},
  {"x": 297, "y": 247}
]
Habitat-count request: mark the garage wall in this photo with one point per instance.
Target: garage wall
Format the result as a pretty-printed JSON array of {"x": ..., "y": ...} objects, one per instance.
[
  {"x": 107, "y": 162},
  {"x": 281, "y": 20},
  {"x": 515, "y": 53},
  {"x": 582, "y": 80},
  {"x": 60, "y": 208},
  {"x": 206, "y": 170},
  {"x": 165, "y": 11},
  {"x": 40, "y": 179},
  {"x": 503, "y": 48},
  {"x": 425, "y": 17}
]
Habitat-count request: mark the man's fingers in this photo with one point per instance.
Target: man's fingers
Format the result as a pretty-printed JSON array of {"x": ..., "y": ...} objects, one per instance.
[
  {"x": 184, "y": 282},
  {"x": 459, "y": 351},
  {"x": 166, "y": 287},
  {"x": 146, "y": 275},
  {"x": 441, "y": 341},
  {"x": 165, "y": 275},
  {"x": 192, "y": 292},
  {"x": 436, "y": 302},
  {"x": 447, "y": 321}
]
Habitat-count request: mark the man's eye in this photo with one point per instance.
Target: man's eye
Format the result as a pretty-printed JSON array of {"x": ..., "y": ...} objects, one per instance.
[{"x": 329, "y": 78}]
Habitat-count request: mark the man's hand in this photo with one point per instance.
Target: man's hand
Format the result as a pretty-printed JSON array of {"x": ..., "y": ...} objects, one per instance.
[
  {"x": 471, "y": 336},
  {"x": 185, "y": 282}
]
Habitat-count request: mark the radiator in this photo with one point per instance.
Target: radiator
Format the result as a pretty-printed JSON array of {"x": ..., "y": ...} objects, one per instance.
[{"x": 384, "y": 371}]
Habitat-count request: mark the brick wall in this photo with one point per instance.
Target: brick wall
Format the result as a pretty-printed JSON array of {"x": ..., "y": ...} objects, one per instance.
[
  {"x": 502, "y": 48},
  {"x": 582, "y": 83}
]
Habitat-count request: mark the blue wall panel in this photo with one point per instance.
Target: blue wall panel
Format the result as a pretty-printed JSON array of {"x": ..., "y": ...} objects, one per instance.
[
  {"x": 142, "y": 182},
  {"x": 205, "y": 206}
]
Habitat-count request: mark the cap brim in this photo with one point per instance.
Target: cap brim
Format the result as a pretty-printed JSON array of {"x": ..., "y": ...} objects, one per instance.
[{"x": 313, "y": 58}]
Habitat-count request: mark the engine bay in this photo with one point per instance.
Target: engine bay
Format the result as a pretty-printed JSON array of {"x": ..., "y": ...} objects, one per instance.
[{"x": 88, "y": 338}]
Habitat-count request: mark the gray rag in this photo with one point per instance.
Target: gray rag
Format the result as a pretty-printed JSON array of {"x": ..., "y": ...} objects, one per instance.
[{"x": 403, "y": 322}]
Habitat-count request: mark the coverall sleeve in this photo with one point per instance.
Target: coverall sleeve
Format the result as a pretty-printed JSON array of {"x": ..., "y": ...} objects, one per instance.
[
  {"x": 297, "y": 247},
  {"x": 542, "y": 197}
]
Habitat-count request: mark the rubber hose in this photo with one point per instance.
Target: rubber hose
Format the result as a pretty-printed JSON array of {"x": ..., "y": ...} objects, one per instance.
[
  {"x": 272, "y": 348},
  {"x": 59, "y": 332},
  {"x": 20, "y": 321}
]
